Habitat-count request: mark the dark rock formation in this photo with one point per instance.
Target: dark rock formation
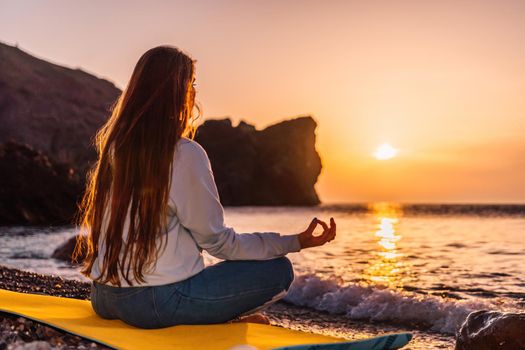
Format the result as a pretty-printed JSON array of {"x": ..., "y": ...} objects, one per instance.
[
  {"x": 54, "y": 109},
  {"x": 65, "y": 251},
  {"x": 34, "y": 189},
  {"x": 274, "y": 166},
  {"x": 491, "y": 330}
]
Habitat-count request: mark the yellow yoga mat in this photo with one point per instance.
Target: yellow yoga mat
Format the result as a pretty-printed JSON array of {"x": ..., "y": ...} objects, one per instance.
[{"x": 77, "y": 317}]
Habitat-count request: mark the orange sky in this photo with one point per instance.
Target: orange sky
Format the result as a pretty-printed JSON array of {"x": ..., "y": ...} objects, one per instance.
[{"x": 442, "y": 81}]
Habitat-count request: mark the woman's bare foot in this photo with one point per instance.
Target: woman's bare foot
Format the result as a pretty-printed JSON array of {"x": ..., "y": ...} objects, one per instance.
[{"x": 253, "y": 318}]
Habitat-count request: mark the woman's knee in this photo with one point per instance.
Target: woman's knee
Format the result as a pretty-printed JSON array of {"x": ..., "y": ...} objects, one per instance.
[{"x": 285, "y": 271}]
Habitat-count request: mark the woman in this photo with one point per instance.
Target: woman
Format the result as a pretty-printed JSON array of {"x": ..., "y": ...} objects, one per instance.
[{"x": 151, "y": 206}]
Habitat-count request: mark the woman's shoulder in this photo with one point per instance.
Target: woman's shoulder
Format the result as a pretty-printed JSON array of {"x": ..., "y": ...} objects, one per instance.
[
  {"x": 187, "y": 147},
  {"x": 190, "y": 145}
]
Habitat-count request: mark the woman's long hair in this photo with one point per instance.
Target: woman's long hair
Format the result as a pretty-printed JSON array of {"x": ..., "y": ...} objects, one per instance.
[{"x": 133, "y": 172}]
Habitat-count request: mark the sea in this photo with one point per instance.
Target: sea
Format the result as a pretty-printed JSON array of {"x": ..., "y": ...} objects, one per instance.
[{"x": 420, "y": 268}]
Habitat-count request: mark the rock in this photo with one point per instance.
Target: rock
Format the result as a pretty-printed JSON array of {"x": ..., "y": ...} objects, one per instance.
[
  {"x": 278, "y": 165},
  {"x": 52, "y": 108},
  {"x": 35, "y": 189},
  {"x": 232, "y": 151},
  {"x": 288, "y": 163},
  {"x": 491, "y": 330},
  {"x": 65, "y": 250}
]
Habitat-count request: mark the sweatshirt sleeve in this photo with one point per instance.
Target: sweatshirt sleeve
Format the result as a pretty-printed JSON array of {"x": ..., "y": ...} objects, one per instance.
[{"x": 198, "y": 208}]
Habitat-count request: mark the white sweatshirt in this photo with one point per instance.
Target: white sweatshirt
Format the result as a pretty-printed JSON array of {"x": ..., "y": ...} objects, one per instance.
[{"x": 197, "y": 223}]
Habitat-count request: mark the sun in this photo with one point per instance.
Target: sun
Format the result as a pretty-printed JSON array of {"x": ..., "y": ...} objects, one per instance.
[{"x": 385, "y": 151}]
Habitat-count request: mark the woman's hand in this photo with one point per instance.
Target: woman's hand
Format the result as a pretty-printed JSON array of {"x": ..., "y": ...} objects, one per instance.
[{"x": 307, "y": 238}]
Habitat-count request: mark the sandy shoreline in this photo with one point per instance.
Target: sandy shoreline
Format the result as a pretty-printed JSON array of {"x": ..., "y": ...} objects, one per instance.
[{"x": 16, "y": 330}]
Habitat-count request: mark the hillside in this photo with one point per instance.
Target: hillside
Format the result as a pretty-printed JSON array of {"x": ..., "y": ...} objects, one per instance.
[{"x": 52, "y": 108}]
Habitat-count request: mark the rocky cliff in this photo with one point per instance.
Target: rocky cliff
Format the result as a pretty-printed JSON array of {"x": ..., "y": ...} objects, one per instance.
[
  {"x": 52, "y": 108},
  {"x": 49, "y": 115},
  {"x": 278, "y": 165}
]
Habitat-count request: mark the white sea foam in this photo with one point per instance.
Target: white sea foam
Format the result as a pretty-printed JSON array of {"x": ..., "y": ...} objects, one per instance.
[{"x": 361, "y": 302}]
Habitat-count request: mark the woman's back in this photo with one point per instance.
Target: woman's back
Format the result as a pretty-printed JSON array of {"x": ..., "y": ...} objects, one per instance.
[{"x": 197, "y": 221}]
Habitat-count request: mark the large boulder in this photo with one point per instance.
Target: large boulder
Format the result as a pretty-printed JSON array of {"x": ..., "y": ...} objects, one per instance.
[
  {"x": 232, "y": 152},
  {"x": 278, "y": 165},
  {"x": 492, "y": 330},
  {"x": 66, "y": 249}
]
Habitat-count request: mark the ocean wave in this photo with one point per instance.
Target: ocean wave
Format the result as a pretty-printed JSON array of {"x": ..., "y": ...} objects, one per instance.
[{"x": 363, "y": 302}]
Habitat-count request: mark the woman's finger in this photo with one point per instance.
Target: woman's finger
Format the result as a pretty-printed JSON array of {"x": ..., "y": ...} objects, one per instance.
[
  {"x": 332, "y": 228},
  {"x": 332, "y": 235},
  {"x": 312, "y": 226},
  {"x": 325, "y": 226},
  {"x": 323, "y": 238}
]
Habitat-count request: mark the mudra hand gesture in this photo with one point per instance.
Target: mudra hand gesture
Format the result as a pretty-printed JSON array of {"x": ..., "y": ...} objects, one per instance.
[{"x": 307, "y": 238}]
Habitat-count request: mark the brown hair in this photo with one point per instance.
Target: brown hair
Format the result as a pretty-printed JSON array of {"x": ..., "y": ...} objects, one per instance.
[{"x": 133, "y": 172}]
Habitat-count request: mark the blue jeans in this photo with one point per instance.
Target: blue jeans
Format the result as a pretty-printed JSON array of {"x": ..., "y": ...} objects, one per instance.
[{"x": 217, "y": 294}]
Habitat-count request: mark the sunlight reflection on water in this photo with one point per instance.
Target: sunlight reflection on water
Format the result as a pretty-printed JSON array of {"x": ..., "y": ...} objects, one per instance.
[{"x": 386, "y": 265}]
